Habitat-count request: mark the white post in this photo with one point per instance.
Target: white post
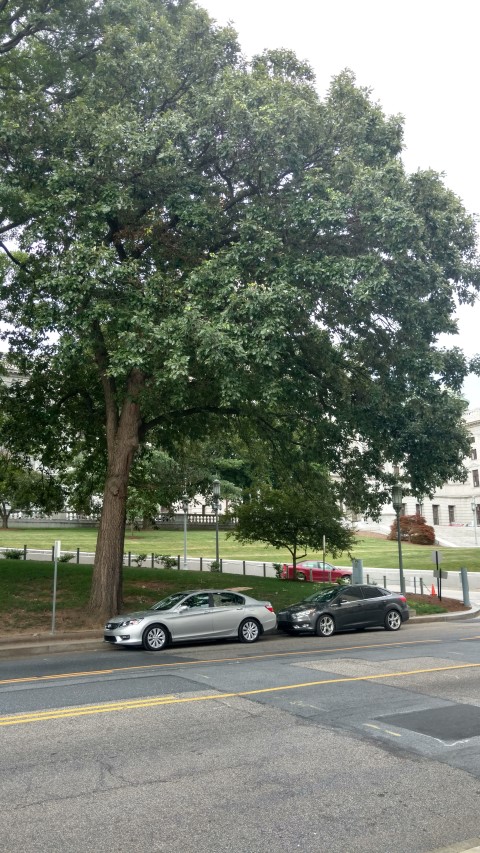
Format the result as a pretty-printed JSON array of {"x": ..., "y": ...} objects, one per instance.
[
  {"x": 474, "y": 510},
  {"x": 56, "y": 555}
]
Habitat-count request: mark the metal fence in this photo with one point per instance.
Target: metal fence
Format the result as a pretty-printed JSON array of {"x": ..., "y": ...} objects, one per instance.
[{"x": 415, "y": 581}]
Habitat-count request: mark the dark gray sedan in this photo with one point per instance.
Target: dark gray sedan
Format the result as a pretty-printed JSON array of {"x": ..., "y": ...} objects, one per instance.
[{"x": 357, "y": 607}]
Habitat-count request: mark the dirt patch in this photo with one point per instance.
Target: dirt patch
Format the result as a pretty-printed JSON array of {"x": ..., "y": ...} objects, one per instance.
[{"x": 369, "y": 534}]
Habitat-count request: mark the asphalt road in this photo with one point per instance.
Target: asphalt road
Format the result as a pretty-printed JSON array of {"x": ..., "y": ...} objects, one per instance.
[{"x": 360, "y": 743}]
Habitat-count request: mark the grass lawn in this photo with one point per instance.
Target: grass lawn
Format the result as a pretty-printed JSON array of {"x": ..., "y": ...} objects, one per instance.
[
  {"x": 26, "y": 592},
  {"x": 375, "y": 552}
]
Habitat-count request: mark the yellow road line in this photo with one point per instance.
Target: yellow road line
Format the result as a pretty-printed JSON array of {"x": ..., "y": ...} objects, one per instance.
[
  {"x": 379, "y": 728},
  {"x": 34, "y": 678},
  {"x": 82, "y": 711},
  {"x": 39, "y": 716}
]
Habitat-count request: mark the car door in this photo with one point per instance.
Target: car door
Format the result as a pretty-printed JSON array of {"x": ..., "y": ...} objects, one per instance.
[
  {"x": 308, "y": 571},
  {"x": 322, "y": 571},
  {"x": 193, "y": 618},
  {"x": 348, "y": 608},
  {"x": 227, "y": 612},
  {"x": 374, "y": 605}
]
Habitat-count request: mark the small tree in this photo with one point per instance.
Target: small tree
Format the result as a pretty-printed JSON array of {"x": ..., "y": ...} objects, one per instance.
[
  {"x": 414, "y": 529},
  {"x": 295, "y": 516}
]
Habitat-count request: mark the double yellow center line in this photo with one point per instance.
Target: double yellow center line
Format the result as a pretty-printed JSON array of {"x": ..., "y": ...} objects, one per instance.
[{"x": 129, "y": 705}]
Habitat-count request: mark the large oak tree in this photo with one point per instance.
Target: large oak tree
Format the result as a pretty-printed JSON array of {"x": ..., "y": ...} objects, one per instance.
[{"x": 204, "y": 243}]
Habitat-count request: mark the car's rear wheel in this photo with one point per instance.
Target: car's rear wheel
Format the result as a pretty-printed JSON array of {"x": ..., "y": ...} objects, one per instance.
[
  {"x": 393, "y": 620},
  {"x": 325, "y": 626},
  {"x": 155, "y": 638},
  {"x": 346, "y": 578},
  {"x": 300, "y": 577},
  {"x": 249, "y": 631}
]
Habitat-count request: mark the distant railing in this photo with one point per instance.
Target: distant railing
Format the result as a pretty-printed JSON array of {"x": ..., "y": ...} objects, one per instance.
[
  {"x": 195, "y": 520},
  {"x": 416, "y": 581}
]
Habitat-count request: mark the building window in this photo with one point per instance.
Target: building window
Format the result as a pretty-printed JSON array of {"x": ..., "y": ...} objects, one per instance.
[
  {"x": 475, "y": 478},
  {"x": 451, "y": 514},
  {"x": 419, "y": 509},
  {"x": 473, "y": 454},
  {"x": 436, "y": 514}
]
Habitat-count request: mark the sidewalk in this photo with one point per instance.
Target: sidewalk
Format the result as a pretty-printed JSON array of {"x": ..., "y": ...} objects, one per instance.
[{"x": 25, "y": 645}]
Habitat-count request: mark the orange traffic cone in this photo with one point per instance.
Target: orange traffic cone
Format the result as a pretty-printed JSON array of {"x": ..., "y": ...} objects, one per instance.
[{"x": 433, "y": 590}]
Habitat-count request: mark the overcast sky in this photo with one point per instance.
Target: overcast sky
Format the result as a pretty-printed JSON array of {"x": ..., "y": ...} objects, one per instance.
[{"x": 419, "y": 58}]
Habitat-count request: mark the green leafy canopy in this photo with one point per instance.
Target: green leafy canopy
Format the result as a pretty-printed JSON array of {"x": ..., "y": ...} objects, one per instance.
[{"x": 206, "y": 243}]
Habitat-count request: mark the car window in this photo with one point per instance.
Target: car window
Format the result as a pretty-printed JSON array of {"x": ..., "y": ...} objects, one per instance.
[
  {"x": 326, "y": 595},
  {"x": 169, "y": 602},
  {"x": 352, "y": 593},
  {"x": 227, "y": 599},
  {"x": 201, "y": 599},
  {"x": 372, "y": 592}
]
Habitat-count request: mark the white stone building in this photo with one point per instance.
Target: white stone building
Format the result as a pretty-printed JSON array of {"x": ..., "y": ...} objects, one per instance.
[{"x": 454, "y": 503}]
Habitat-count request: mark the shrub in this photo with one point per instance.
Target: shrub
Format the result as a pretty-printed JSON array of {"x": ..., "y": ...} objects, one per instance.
[
  {"x": 65, "y": 558},
  {"x": 278, "y": 568},
  {"x": 215, "y": 566},
  {"x": 140, "y": 559},
  {"x": 13, "y": 554},
  {"x": 165, "y": 561},
  {"x": 414, "y": 529},
  {"x": 422, "y": 534}
]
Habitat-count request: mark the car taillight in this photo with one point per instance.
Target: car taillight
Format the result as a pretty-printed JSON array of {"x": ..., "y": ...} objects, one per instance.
[
  {"x": 270, "y": 608},
  {"x": 402, "y": 598}
]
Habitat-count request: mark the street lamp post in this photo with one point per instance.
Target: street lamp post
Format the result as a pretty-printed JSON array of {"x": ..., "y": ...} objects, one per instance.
[
  {"x": 397, "y": 505},
  {"x": 185, "y": 503},
  {"x": 216, "y": 504},
  {"x": 474, "y": 510}
]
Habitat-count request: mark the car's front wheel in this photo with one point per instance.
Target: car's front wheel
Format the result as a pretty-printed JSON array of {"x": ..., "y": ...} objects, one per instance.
[
  {"x": 325, "y": 626},
  {"x": 249, "y": 631},
  {"x": 393, "y": 620},
  {"x": 155, "y": 638}
]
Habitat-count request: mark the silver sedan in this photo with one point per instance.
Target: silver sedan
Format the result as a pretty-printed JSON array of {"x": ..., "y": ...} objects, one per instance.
[{"x": 193, "y": 615}]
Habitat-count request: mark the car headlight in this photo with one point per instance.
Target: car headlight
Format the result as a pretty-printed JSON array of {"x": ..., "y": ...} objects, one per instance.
[
  {"x": 302, "y": 614},
  {"x": 130, "y": 622}
]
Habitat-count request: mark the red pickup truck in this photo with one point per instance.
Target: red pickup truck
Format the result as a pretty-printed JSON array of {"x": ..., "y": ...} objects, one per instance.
[{"x": 316, "y": 571}]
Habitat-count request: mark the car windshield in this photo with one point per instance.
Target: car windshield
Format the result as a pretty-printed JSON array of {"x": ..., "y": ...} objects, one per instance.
[
  {"x": 324, "y": 595},
  {"x": 169, "y": 602}
]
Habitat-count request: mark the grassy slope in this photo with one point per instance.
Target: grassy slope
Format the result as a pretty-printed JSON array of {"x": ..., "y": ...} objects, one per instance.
[
  {"x": 26, "y": 592},
  {"x": 375, "y": 553}
]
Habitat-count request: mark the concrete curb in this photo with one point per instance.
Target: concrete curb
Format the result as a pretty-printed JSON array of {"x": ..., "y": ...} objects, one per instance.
[
  {"x": 25, "y": 650},
  {"x": 447, "y": 617}
]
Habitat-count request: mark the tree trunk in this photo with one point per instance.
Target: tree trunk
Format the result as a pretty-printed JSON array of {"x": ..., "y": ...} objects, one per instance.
[
  {"x": 122, "y": 440},
  {"x": 4, "y": 514}
]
